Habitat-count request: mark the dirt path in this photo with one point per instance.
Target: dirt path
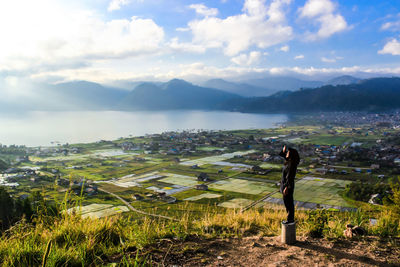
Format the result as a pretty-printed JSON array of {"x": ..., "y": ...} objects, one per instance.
[{"x": 269, "y": 251}]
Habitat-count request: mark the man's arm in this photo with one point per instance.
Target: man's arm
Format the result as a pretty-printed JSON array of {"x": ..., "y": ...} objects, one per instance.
[{"x": 290, "y": 176}]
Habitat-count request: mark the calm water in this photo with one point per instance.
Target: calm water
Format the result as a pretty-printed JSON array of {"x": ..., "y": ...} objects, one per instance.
[{"x": 41, "y": 128}]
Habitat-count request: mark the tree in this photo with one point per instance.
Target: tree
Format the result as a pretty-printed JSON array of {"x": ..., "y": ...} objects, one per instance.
[{"x": 6, "y": 208}]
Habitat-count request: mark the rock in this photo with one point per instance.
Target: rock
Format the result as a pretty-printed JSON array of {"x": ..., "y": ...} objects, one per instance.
[
  {"x": 358, "y": 230},
  {"x": 348, "y": 233},
  {"x": 352, "y": 231},
  {"x": 256, "y": 245}
]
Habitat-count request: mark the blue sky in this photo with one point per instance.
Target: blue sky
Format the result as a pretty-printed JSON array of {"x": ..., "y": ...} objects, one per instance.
[{"x": 109, "y": 40}]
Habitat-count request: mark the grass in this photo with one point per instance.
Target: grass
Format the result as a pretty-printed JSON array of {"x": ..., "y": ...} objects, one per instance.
[{"x": 72, "y": 240}]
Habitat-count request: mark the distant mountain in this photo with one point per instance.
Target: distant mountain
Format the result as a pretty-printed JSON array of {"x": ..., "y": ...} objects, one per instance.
[
  {"x": 371, "y": 94},
  {"x": 130, "y": 85},
  {"x": 343, "y": 80},
  {"x": 86, "y": 95},
  {"x": 242, "y": 89},
  {"x": 276, "y": 84},
  {"x": 176, "y": 94}
]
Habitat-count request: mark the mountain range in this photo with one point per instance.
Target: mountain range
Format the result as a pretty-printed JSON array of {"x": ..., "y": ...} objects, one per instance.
[
  {"x": 294, "y": 95},
  {"x": 176, "y": 94},
  {"x": 370, "y": 94},
  {"x": 262, "y": 87}
]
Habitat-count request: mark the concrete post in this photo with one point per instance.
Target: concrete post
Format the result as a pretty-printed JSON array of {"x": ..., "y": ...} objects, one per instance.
[{"x": 288, "y": 233}]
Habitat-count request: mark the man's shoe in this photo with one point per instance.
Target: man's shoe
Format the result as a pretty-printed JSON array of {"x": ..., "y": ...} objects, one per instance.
[{"x": 287, "y": 222}]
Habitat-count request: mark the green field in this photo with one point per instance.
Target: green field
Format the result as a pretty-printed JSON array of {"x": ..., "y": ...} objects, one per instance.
[
  {"x": 243, "y": 186},
  {"x": 210, "y": 160},
  {"x": 236, "y": 203},
  {"x": 98, "y": 210},
  {"x": 320, "y": 191},
  {"x": 209, "y": 148},
  {"x": 178, "y": 179},
  {"x": 205, "y": 195}
]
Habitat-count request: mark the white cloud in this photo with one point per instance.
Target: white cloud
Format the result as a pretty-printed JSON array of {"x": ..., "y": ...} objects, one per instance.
[
  {"x": 328, "y": 60},
  {"x": 247, "y": 60},
  {"x": 116, "y": 4},
  {"x": 201, "y": 9},
  {"x": 259, "y": 25},
  {"x": 185, "y": 47},
  {"x": 35, "y": 38},
  {"x": 392, "y": 47},
  {"x": 285, "y": 48},
  {"x": 299, "y": 57},
  {"x": 182, "y": 29},
  {"x": 331, "y": 59},
  {"x": 316, "y": 8},
  {"x": 392, "y": 26},
  {"x": 323, "y": 12},
  {"x": 200, "y": 71}
]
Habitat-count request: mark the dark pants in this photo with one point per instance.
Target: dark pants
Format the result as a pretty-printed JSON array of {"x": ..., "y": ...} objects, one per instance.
[{"x": 289, "y": 205}]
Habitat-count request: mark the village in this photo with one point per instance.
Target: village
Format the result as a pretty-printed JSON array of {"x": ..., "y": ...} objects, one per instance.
[{"x": 222, "y": 169}]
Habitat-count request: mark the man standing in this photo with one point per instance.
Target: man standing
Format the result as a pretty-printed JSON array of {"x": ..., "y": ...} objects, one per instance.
[{"x": 292, "y": 159}]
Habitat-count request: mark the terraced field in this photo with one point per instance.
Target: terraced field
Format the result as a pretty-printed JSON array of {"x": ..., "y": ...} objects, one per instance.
[{"x": 319, "y": 191}]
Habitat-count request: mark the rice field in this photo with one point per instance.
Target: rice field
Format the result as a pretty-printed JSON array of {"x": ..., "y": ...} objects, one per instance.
[
  {"x": 243, "y": 186},
  {"x": 271, "y": 166},
  {"x": 169, "y": 190},
  {"x": 132, "y": 180},
  {"x": 210, "y": 148},
  {"x": 177, "y": 179},
  {"x": 205, "y": 195},
  {"x": 95, "y": 154},
  {"x": 98, "y": 210},
  {"x": 320, "y": 191},
  {"x": 212, "y": 159},
  {"x": 236, "y": 203}
]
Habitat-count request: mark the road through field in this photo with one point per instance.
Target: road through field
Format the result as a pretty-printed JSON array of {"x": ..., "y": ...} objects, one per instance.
[{"x": 136, "y": 210}]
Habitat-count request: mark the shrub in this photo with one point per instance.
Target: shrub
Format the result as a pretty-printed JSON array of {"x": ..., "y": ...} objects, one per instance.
[{"x": 316, "y": 221}]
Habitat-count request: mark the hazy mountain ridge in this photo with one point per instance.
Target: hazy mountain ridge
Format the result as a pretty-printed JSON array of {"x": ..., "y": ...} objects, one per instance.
[
  {"x": 262, "y": 87},
  {"x": 175, "y": 94},
  {"x": 343, "y": 80},
  {"x": 242, "y": 89},
  {"x": 284, "y": 83},
  {"x": 369, "y": 94}
]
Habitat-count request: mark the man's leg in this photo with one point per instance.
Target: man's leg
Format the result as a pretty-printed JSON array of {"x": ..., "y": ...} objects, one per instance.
[{"x": 290, "y": 206}]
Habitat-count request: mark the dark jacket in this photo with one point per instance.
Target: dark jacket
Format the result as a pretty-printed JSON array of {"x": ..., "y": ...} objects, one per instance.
[{"x": 289, "y": 170}]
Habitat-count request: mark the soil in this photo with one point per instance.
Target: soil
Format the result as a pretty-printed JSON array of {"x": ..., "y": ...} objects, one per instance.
[{"x": 269, "y": 251}]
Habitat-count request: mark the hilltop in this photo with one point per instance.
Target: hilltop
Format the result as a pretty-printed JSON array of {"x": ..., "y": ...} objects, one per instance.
[{"x": 257, "y": 251}]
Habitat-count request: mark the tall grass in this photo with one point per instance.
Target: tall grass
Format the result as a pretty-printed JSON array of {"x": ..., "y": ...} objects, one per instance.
[{"x": 71, "y": 240}]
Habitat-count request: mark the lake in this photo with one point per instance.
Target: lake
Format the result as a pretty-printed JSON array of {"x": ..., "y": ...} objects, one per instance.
[{"x": 44, "y": 128}]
